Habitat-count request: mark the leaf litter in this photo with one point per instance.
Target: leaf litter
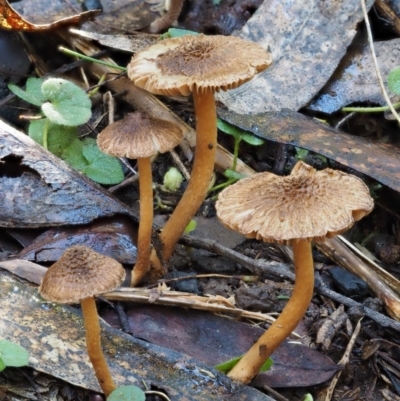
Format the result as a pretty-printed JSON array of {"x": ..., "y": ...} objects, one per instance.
[{"x": 287, "y": 96}]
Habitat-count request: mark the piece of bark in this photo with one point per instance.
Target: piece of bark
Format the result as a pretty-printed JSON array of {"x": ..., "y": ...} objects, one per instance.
[{"x": 40, "y": 190}]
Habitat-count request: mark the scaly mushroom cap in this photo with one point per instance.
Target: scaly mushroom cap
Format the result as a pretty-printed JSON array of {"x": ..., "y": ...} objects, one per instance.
[
  {"x": 179, "y": 66},
  {"x": 307, "y": 204},
  {"x": 80, "y": 273},
  {"x": 139, "y": 135}
]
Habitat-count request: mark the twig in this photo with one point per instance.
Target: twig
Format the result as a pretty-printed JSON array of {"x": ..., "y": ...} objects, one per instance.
[
  {"x": 328, "y": 392},
  {"x": 179, "y": 163},
  {"x": 377, "y": 70},
  {"x": 259, "y": 267}
]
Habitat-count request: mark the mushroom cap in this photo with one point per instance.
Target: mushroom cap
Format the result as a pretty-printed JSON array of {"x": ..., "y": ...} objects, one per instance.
[
  {"x": 139, "y": 135},
  {"x": 80, "y": 273},
  {"x": 307, "y": 204},
  {"x": 179, "y": 66}
]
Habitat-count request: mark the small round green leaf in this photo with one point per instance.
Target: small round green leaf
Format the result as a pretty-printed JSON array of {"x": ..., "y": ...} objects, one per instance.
[
  {"x": 59, "y": 137},
  {"x": 101, "y": 168},
  {"x": 73, "y": 155},
  {"x": 33, "y": 92},
  {"x": 127, "y": 393},
  {"x": 67, "y": 104},
  {"x": 13, "y": 354},
  {"x": 393, "y": 81}
]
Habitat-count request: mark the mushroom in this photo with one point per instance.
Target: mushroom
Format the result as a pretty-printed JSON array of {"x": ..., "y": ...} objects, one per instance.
[
  {"x": 200, "y": 65},
  {"x": 307, "y": 205},
  {"x": 172, "y": 14},
  {"x": 140, "y": 136},
  {"x": 78, "y": 276}
]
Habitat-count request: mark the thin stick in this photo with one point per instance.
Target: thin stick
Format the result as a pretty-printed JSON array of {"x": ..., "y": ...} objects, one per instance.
[{"x": 377, "y": 70}]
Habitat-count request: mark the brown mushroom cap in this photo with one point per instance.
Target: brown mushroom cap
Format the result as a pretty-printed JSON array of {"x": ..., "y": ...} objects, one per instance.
[
  {"x": 179, "y": 66},
  {"x": 139, "y": 135},
  {"x": 307, "y": 204},
  {"x": 80, "y": 273}
]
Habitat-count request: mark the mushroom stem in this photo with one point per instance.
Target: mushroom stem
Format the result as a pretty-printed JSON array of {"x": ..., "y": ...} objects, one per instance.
[
  {"x": 203, "y": 167},
  {"x": 163, "y": 23},
  {"x": 93, "y": 343},
  {"x": 146, "y": 220},
  {"x": 250, "y": 364}
]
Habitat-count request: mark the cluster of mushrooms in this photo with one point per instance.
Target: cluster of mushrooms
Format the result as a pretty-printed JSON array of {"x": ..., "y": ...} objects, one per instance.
[{"x": 306, "y": 206}]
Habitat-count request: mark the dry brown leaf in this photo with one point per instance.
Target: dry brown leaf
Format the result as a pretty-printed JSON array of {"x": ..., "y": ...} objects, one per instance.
[
  {"x": 355, "y": 79},
  {"x": 307, "y": 44},
  {"x": 11, "y": 20}
]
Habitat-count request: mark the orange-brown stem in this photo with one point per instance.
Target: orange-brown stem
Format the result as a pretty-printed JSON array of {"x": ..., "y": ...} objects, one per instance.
[
  {"x": 203, "y": 167},
  {"x": 250, "y": 364},
  {"x": 146, "y": 221},
  {"x": 93, "y": 343},
  {"x": 163, "y": 23}
]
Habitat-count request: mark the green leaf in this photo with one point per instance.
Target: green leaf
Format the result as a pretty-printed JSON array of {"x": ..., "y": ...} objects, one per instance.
[
  {"x": 177, "y": 33},
  {"x": 190, "y": 227},
  {"x": 127, "y": 393},
  {"x": 393, "y": 81},
  {"x": 233, "y": 174},
  {"x": 67, "y": 104},
  {"x": 13, "y": 354},
  {"x": 226, "y": 366},
  {"x": 33, "y": 92},
  {"x": 301, "y": 154},
  {"x": 73, "y": 155},
  {"x": 59, "y": 137},
  {"x": 266, "y": 365},
  {"x": 239, "y": 133},
  {"x": 2, "y": 365},
  {"x": 251, "y": 139},
  {"x": 102, "y": 168}
]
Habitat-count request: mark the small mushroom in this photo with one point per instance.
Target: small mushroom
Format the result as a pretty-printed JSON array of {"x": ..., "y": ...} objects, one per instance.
[
  {"x": 78, "y": 276},
  {"x": 140, "y": 136},
  {"x": 200, "y": 65},
  {"x": 307, "y": 205},
  {"x": 164, "y": 22}
]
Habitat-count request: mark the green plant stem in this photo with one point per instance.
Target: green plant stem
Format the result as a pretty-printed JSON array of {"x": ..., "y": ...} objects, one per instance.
[
  {"x": 223, "y": 185},
  {"x": 69, "y": 52},
  {"x": 236, "y": 152},
  {"x": 45, "y": 134},
  {"x": 370, "y": 109}
]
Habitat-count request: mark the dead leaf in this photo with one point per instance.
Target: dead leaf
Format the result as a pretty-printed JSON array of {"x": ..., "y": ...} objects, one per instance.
[
  {"x": 377, "y": 160},
  {"x": 213, "y": 339},
  {"x": 355, "y": 79},
  {"x": 115, "y": 238},
  {"x": 54, "y": 337},
  {"x": 11, "y": 20},
  {"x": 117, "y": 16},
  {"x": 40, "y": 190},
  {"x": 306, "y": 43},
  {"x": 130, "y": 43}
]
